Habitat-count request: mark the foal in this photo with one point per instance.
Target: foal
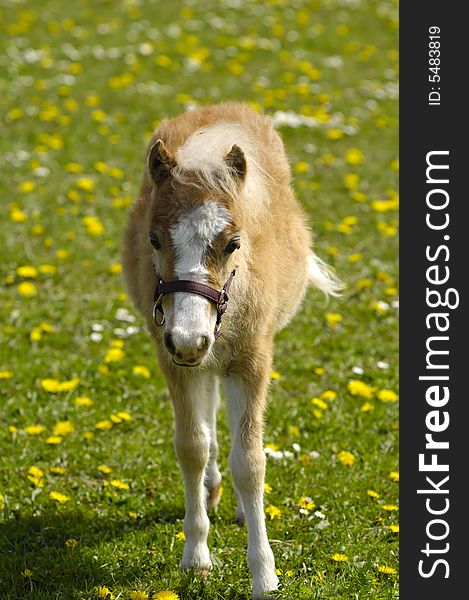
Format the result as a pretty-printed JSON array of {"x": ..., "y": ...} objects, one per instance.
[{"x": 217, "y": 258}]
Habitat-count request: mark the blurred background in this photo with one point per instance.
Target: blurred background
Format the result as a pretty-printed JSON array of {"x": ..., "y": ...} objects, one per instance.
[{"x": 90, "y": 493}]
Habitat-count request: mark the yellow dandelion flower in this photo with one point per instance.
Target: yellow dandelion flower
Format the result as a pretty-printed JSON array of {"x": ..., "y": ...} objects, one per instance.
[
  {"x": 27, "y": 271},
  {"x": 115, "y": 269},
  {"x": 165, "y": 595},
  {"x": 17, "y": 215},
  {"x": 54, "y": 440},
  {"x": 354, "y": 156},
  {"x": 118, "y": 484},
  {"x": 124, "y": 416},
  {"x": 34, "y": 429},
  {"x": 351, "y": 181},
  {"x": 328, "y": 395},
  {"x": 103, "y": 425},
  {"x": 71, "y": 543},
  {"x": 361, "y": 284},
  {"x": 69, "y": 385},
  {"x": 114, "y": 355},
  {"x": 301, "y": 167},
  {"x": 275, "y": 375},
  {"x": 26, "y": 289},
  {"x": 73, "y": 167},
  {"x": 115, "y": 419},
  {"x": 47, "y": 269},
  {"x": 58, "y": 497},
  {"x": 294, "y": 431},
  {"x": 101, "y": 166},
  {"x": 85, "y": 183},
  {"x": 372, "y": 494},
  {"x": 317, "y": 413},
  {"x": 339, "y": 557},
  {"x": 273, "y": 512},
  {"x": 367, "y": 407},
  {"x": 356, "y": 257},
  {"x": 346, "y": 458},
  {"x": 139, "y": 595},
  {"x": 83, "y": 401},
  {"x": 27, "y": 186},
  {"x": 50, "y": 385},
  {"x": 390, "y": 507},
  {"x": 104, "y": 469},
  {"x": 385, "y": 205},
  {"x": 394, "y": 528},
  {"x": 88, "y": 435},
  {"x": 35, "y": 472},
  {"x": 57, "y": 470},
  {"x": 53, "y": 385},
  {"x": 394, "y": 475},
  {"x": 333, "y": 319},
  {"x": 181, "y": 536},
  {"x": 360, "y": 388},
  {"x": 307, "y": 503},
  {"x": 103, "y": 592},
  {"x": 63, "y": 428},
  {"x": 267, "y": 488},
  {"x": 142, "y": 371},
  {"x": 93, "y": 225},
  {"x": 319, "y": 371},
  {"x": 387, "y": 396},
  {"x": 12, "y": 429},
  {"x": 319, "y": 403},
  {"x": 6, "y": 374},
  {"x": 116, "y": 173},
  {"x": 335, "y": 134},
  {"x": 2, "y": 502},
  {"x": 27, "y": 573},
  {"x": 387, "y": 570}
]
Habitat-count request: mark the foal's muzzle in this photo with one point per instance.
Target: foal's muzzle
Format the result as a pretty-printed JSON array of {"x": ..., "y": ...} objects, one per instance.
[{"x": 218, "y": 298}]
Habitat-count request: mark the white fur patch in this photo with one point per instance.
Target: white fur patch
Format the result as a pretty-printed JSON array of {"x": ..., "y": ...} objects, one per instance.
[
  {"x": 203, "y": 154},
  {"x": 196, "y": 229}
]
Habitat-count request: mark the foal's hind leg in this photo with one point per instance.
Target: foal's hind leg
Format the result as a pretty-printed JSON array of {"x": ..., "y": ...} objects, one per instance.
[{"x": 212, "y": 473}]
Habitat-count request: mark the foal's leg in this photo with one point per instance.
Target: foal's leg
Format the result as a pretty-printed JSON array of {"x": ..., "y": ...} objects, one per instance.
[
  {"x": 212, "y": 473},
  {"x": 192, "y": 444},
  {"x": 246, "y": 400}
]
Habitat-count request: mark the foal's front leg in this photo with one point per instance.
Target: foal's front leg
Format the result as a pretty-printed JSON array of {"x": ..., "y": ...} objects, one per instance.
[
  {"x": 246, "y": 402},
  {"x": 192, "y": 444}
]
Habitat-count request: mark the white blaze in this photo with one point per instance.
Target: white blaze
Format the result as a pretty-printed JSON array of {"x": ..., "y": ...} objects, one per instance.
[{"x": 191, "y": 236}]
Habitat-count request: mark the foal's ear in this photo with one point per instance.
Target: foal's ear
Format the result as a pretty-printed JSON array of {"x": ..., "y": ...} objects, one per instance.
[
  {"x": 159, "y": 162},
  {"x": 236, "y": 161}
]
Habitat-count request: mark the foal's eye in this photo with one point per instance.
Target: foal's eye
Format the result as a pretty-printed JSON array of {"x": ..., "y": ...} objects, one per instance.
[
  {"x": 154, "y": 241},
  {"x": 233, "y": 245}
]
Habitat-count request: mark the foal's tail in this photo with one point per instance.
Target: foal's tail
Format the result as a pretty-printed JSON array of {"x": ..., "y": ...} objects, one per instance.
[{"x": 321, "y": 276}]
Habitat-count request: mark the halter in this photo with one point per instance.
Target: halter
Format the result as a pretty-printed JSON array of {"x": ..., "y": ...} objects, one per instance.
[{"x": 219, "y": 298}]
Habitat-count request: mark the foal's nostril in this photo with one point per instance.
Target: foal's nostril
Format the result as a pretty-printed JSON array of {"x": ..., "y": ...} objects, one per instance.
[
  {"x": 202, "y": 343},
  {"x": 168, "y": 342}
]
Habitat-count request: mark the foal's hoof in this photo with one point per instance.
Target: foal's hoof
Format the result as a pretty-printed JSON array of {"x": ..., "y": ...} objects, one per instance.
[{"x": 213, "y": 496}]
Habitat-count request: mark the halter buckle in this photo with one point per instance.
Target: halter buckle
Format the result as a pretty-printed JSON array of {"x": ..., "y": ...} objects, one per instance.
[{"x": 158, "y": 308}]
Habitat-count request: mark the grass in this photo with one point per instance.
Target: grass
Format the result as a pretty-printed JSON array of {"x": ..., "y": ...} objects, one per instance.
[{"x": 82, "y": 85}]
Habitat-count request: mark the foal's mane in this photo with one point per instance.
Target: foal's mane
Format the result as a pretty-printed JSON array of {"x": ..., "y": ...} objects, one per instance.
[{"x": 200, "y": 161}]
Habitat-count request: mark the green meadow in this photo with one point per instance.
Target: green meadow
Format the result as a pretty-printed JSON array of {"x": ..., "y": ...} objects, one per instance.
[{"x": 91, "y": 496}]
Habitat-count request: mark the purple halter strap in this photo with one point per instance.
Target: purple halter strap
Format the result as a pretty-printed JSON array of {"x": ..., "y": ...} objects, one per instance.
[{"x": 219, "y": 298}]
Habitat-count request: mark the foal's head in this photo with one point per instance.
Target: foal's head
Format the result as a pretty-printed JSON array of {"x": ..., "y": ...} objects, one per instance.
[{"x": 195, "y": 233}]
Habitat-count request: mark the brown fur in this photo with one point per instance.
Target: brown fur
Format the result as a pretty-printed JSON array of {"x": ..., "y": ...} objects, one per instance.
[{"x": 270, "y": 282}]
